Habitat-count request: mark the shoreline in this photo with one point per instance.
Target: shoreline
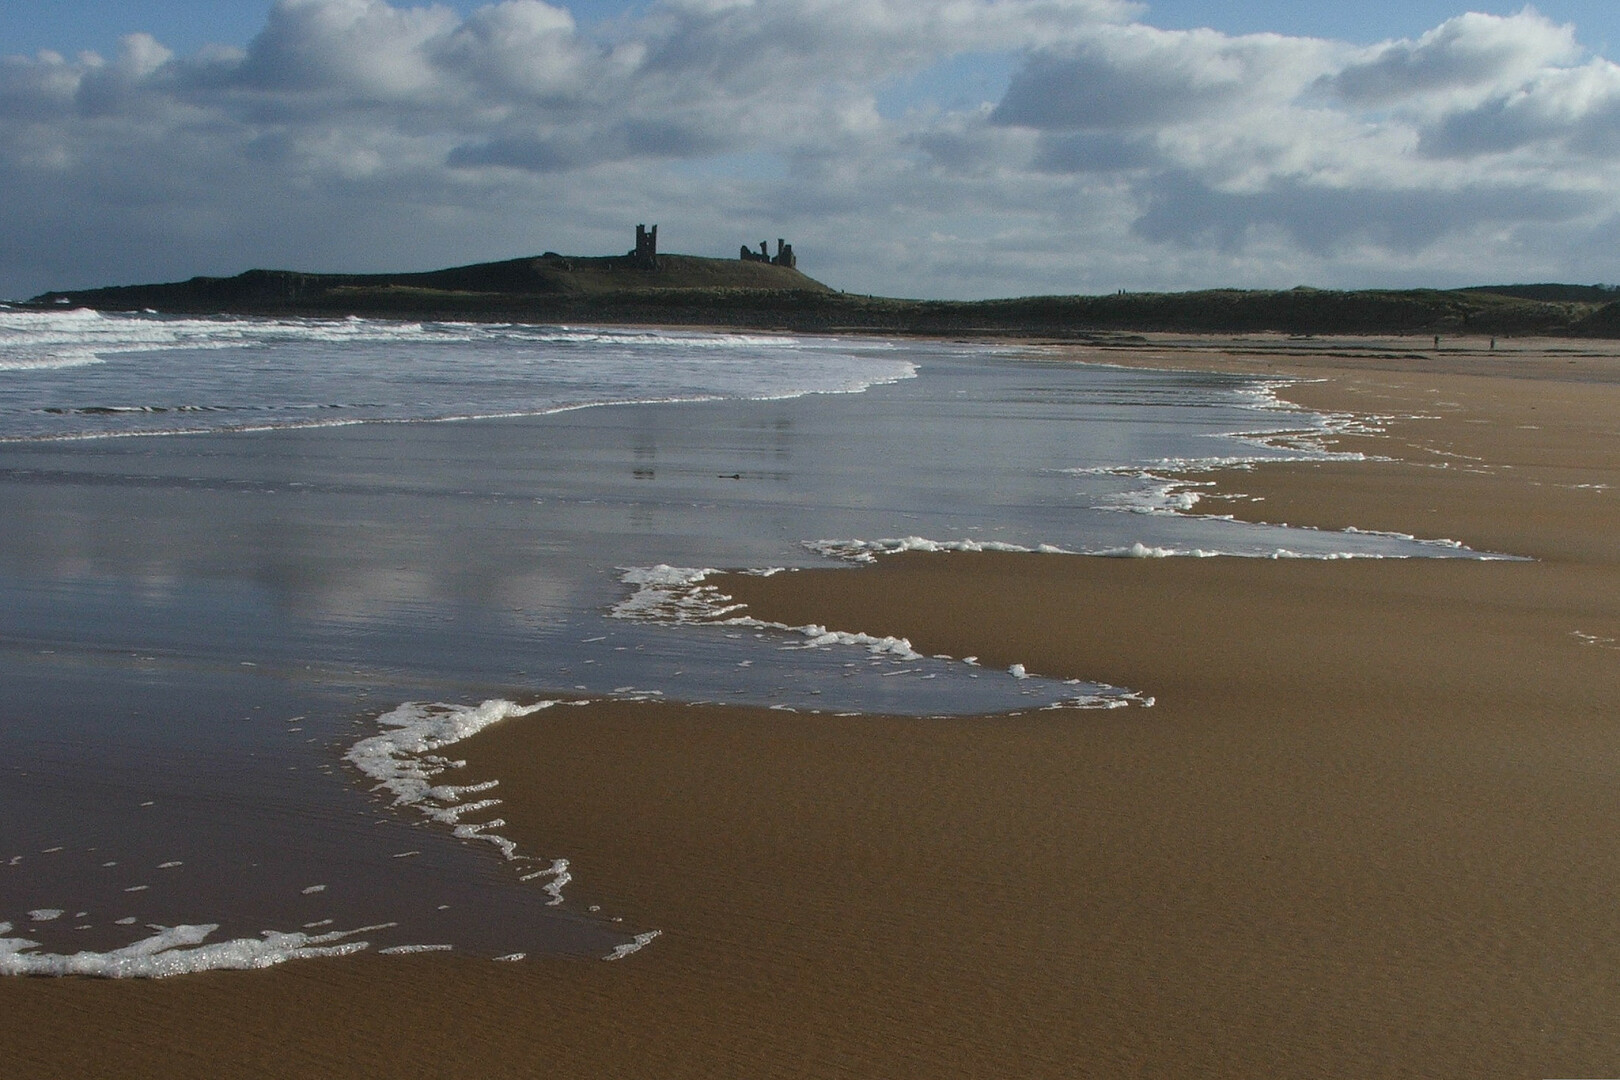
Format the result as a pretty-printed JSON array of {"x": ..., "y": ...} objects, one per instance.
[
  {"x": 1364, "y": 830},
  {"x": 1443, "y": 416}
]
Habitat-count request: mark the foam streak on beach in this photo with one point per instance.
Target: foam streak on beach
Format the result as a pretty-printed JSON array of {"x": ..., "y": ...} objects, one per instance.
[{"x": 1363, "y": 829}]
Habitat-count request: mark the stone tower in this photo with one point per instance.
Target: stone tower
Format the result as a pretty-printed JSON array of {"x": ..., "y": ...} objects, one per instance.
[{"x": 646, "y": 252}]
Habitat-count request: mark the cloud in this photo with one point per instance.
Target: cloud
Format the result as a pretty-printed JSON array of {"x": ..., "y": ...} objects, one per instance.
[
  {"x": 1318, "y": 152},
  {"x": 524, "y": 49},
  {"x": 1135, "y": 77},
  {"x": 1094, "y": 152},
  {"x": 348, "y": 50},
  {"x": 1323, "y": 220},
  {"x": 1572, "y": 110},
  {"x": 1471, "y": 54},
  {"x": 357, "y": 134}
]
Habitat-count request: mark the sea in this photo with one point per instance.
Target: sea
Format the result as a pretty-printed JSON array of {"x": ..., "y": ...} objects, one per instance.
[{"x": 258, "y": 576}]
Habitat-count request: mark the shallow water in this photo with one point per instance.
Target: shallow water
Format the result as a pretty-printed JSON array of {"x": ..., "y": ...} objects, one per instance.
[{"x": 195, "y": 628}]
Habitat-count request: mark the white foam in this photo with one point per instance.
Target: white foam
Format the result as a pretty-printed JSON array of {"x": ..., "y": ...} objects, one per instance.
[
  {"x": 79, "y": 336},
  {"x": 1595, "y": 640},
  {"x": 866, "y": 551},
  {"x": 665, "y": 593},
  {"x": 1139, "y": 550},
  {"x": 1157, "y": 495},
  {"x": 1178, "y": 495},
  {"x": 1308, "y": 439},
  {"x": 69, "y": 338},
  {"x": 819, "y": 636},
  {"x": 679, "y": 594},
  {"x": 175, "y": 950},
  {"x": 682, "y": 596},
  {"x": 403, "y": 761},
  {"x": 634, "y": 945}
]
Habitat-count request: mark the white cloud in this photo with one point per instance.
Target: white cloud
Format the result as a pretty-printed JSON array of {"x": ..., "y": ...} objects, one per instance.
[
  {"x": 1135, "y": 77},
  {"x": 359, "y": 50},
  {"x": 1574, "y": 111},
  {"x": 523, "y": 48},
  {"x": 1470, "y": 56},
  {"x": 352, "y": 134}
]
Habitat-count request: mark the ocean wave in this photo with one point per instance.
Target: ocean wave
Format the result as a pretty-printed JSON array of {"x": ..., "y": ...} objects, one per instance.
[{"x": 80, "y": 374}]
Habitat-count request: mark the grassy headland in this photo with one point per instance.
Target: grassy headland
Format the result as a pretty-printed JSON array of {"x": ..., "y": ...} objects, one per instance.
[{"x": 691, "y": 290}]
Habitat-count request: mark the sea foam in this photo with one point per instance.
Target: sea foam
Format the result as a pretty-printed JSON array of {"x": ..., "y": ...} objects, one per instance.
[
  {"x": 866, "y": 551},
  {"x": 176, "y": 950},
  {"x": 679, "y": 594},
  {"x": 403, "y": 762},
  {"x": 682, "y": 596}
]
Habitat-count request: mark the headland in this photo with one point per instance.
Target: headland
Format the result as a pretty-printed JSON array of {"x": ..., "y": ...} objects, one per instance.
[{"x": 761, "y": 291}]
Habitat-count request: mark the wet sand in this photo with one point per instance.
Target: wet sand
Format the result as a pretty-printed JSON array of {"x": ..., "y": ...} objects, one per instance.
[{"x": 1368, "y": 828}]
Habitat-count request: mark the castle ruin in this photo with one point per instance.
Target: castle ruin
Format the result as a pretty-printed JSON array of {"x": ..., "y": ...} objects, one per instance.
[
  {"x": 784, "y": 254},
  {"x": 645, "y": 254}
]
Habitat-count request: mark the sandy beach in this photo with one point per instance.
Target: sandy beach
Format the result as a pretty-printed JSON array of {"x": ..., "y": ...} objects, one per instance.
[{"x": 1367, "y": 827}]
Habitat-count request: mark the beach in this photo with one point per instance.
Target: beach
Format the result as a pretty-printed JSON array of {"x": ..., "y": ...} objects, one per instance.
[{"x": 1366, "y": 828}]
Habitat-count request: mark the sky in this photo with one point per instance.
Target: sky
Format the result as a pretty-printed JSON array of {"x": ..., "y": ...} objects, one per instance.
[{"x": 930, "y": 148}]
